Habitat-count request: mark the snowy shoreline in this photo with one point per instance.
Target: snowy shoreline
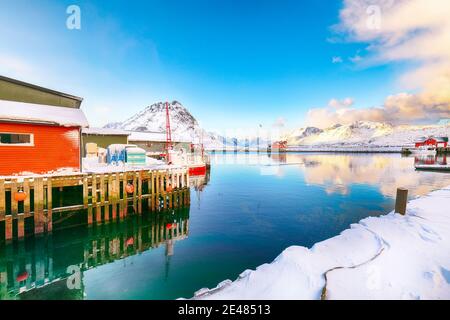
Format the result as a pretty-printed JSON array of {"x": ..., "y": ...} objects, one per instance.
[{"x": 386, "y": 257}]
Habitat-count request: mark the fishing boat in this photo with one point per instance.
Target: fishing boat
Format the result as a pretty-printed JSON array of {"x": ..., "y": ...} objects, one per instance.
[{"x": 197, "y": 160}]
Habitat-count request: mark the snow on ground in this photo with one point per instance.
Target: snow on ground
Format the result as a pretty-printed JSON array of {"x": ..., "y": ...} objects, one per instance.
[
  {"x": 92, "y": 165},
  {"x": 387, "y": 257}
]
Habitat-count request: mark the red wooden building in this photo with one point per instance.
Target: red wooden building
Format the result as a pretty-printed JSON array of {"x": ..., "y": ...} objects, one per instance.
[
  {"x": 438, "y": 142},
  {"x": 279, "y": 146},
  {"x": 37, "y": 137}
]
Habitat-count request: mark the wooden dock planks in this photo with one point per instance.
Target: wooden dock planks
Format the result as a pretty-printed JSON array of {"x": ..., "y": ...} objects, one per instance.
[{"x": 101, "y": 197}]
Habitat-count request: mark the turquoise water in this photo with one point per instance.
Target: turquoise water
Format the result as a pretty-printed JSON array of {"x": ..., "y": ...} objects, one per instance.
[{"x": 243, "y": 214}]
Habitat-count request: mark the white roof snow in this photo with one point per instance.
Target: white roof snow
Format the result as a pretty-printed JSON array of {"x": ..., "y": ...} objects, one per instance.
[
  {"x": 106, "y": 131},
  {"x": 36, "y": 113}
]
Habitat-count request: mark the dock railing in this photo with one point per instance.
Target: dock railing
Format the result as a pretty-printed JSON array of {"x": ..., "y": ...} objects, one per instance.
[{"x": 105, "y": 197}]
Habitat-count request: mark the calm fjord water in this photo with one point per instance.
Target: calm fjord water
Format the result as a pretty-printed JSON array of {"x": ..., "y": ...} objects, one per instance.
[{"x": 252, "y": 207}]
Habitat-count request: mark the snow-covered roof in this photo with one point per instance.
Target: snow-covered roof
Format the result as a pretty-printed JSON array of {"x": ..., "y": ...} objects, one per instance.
[
  {"x": 153, "y": 136},
  {"x": 438, "y": 139},
  {"x": 37, "y": 113},
  {"x": 106, "y": 132}
]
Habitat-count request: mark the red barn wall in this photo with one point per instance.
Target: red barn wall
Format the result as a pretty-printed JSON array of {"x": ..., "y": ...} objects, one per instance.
[{"x": 54, "y": 147}]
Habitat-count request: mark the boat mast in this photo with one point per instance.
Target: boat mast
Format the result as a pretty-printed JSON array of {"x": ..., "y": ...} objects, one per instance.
[{"x": 168, "y": 135}]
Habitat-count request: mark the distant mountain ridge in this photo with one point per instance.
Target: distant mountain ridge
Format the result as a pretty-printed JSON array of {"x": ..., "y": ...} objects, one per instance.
[{"x": 364, "y": 133}]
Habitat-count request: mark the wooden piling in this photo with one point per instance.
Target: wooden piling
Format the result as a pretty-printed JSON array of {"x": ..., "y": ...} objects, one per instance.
[
  {"x": 124, "y": 201},
  {"x": 139, "y": 192},
  {"x": 153, "y": 192},
  {"x": 38, "y": 187},
  {"x": 116, "y": 194},
  {"x": 49, "y": 220},
  {"x": 26, "y": 203},
  {"x": 401, "y": 200},
  {"x": 2, "y": 200},
  {"x": 102, "y": 190},
  {"x": 110, "y": 197},
  {"x": 14, "y": 203},
  {"x": 134, "y": 191},
  {"x": 85, "y": 192}
]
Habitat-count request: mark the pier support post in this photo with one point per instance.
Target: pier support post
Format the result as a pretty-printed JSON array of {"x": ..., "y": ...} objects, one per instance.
[
  {"x": 400, "y": 201},
  {"x": 49, "y": 218}
]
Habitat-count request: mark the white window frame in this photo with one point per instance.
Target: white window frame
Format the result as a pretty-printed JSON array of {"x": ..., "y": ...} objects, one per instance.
[{"x": 30, "y": 144}]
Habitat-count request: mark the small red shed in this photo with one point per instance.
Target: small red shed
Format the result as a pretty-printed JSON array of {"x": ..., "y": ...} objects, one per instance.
[
  {"x": 438, "y": 142},
  {"x": 279, "y": 145},
  {"x": 36, "y": 138}
]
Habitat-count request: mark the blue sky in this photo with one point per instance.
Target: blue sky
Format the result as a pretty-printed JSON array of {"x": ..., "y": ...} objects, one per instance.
[{"x": 231, "y": 63}]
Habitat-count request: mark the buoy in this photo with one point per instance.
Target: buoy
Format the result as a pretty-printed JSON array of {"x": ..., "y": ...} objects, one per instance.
[
  {"x": 129, "y": 188},
  {"x": 20, "y": 196},
  {"x": 22, "y": 276},
  {"x": 170, "y": 225},
  {"x": 130, "y": 241}
]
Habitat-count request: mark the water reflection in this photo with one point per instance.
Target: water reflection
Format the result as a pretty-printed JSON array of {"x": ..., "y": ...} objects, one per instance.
[
  {"x": 53, "y": 266},
  {"x": 440, "y": 159},
  {"x": 336, "y": 172}
]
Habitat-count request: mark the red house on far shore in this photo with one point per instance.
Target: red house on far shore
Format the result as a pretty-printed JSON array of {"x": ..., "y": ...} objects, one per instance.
[
  {"x": 40, "y": 129},
  {"x": 279, "y": 146},
  {"x": 438, "y": 142}
]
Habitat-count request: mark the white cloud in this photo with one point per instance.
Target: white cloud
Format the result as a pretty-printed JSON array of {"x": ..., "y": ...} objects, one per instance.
[
  {"x": 336, "y": 60},
  {"x": 345, "y": 103},
  {"x": 355, "y": 59},
  {"x": 414, "y": 31}
]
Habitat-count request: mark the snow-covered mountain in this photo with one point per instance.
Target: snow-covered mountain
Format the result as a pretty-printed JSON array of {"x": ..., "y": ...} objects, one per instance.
[
  {"x": 153, "y": 118},
  {"x": 360, "y": 133},
  {"x": 183, "y": 125},
  {"x": 364, "y": 133}
]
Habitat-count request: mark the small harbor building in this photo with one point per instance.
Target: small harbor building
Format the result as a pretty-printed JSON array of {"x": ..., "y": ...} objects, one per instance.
[
  {"x": 438, "y": 142},
  {"x": 103, "y": 137},
  {"x": 40, "y": 129},
  {"x": 155, "y": 142}
]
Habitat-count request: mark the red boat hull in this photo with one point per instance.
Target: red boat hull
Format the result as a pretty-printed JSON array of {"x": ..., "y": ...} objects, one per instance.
[{"x": 197, "y": 170}]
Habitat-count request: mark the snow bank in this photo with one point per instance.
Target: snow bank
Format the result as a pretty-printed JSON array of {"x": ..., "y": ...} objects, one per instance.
[
  {"x": 29, "y": 112},
  {"x": 387, "y": 257}
]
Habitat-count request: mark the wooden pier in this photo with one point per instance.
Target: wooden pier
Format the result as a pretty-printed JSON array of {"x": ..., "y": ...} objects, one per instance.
[
  {"x": 102, "y": 197},
  {"x": 443, "y": 150}
]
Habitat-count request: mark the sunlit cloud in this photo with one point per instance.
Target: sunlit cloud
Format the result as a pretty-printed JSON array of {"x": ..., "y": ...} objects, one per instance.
[
  {"x": 338, "y": 104},
  {"x": 413, "y": 31}
]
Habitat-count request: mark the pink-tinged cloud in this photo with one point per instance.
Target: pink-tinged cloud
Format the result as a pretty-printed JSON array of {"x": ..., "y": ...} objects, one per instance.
[{"x": 415, "y": 31}]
